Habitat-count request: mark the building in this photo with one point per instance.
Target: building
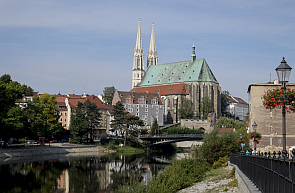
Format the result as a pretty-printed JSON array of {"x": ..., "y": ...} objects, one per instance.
[
  {"x": 269, "y": 121},
  {"x": 67, "y": 104},
  {"x": 147, "y": 106},
  {"x": 238, "y": 108},
  {"x": 191, "y": 79}
]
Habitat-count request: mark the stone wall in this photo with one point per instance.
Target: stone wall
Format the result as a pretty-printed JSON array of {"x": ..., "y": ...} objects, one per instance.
[{"x": 196, "y": 124}]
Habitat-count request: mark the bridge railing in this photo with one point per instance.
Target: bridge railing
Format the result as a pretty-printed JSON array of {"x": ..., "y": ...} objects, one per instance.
[
  {"x": 171, "y": 135},
  {"x": 270, "y": 173}
]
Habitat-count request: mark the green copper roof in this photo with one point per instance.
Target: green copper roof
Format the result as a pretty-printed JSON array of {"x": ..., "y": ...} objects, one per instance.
[{"x": 177, "y": 72}]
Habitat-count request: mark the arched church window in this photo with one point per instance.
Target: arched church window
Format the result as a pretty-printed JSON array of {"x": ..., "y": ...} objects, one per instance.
[{"x": 138, "y": 63}]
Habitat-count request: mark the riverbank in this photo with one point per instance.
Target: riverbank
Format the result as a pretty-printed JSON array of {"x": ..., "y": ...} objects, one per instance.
[{"x": 54, "y": 151}]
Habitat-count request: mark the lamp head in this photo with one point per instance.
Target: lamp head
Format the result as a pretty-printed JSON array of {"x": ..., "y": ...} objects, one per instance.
[{"x": 283, "y": 71}]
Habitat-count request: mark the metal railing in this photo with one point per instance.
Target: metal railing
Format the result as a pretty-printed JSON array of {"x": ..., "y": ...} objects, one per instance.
[
  {"x": 270, "y": 173},
  {"x": 172, "y": 136}
]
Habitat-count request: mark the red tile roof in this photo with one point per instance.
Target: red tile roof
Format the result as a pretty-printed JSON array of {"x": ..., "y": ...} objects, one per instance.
[
  {"x": 176, "y": 89},
  {"x": 92, "y": 98}
]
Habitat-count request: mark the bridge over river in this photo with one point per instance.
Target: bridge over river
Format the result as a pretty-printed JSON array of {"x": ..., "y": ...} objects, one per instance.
[{"x": 166, "y": 139}]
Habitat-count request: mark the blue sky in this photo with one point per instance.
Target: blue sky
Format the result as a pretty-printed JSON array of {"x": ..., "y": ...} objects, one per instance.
[{"x": 83, "y": 46}]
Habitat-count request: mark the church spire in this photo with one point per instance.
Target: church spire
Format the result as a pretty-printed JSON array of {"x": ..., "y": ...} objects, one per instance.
[
  {"x": 152, "y": 54},
  {"x": 193, "y": 52},
  {"x": 138, "y": 59}
]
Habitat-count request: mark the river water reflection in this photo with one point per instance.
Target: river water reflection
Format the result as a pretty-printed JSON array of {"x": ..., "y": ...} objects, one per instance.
[{"x": 79, "y": 174}]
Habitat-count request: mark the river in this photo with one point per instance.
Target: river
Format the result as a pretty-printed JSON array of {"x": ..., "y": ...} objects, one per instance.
[{"x": 79, "y": 174}]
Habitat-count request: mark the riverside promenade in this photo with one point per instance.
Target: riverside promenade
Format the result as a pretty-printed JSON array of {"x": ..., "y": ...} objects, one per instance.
[{"x": 52, "y": 151}]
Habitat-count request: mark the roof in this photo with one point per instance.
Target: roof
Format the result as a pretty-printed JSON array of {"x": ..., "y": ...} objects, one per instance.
[
  {"x": 137, "y": 95},
  {"x": 178, "y": 72},
  {"x": 163, "y": 90},
  {"x": 92, "y": 98},
  {"x": 237, "y": 100}
]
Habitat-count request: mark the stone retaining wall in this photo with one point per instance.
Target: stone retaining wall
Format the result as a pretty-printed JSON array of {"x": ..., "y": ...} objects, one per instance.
[
  {"x": 43, "y": 152},
  {"x": 245, "y": 185}
]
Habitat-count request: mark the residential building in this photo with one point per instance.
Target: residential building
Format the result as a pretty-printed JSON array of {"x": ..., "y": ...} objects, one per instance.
[
  {"x": 269, "y": 121},
  {"x": 147, "y": 106},
  {"x": 68, "y": 103},
  {"x": 238, "y": 108}
]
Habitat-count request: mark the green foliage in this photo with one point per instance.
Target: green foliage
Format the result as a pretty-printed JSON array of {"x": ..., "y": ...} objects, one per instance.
[
  {"x": 180, "y": 130},
  {"x": 155, "y": 127},
  {"x": 134, "y": 186},
  {"x": 186, "y": 109},
  {"x": 225, "y": 98},
  {"x": 229, "y": 123},
  {"x": 10, "y": 116},
  {"x": 181, "y": 174},
  {"x": 206, "y": 107},
  {"x": 221, "y": 162},
  {"x": 219, "y": 145},
  {"x": 43, "y": 117},
  {"x": 85, "y": 119},
  {"x": 126, "y": 124},
  {"x": 108, "y": 94}
]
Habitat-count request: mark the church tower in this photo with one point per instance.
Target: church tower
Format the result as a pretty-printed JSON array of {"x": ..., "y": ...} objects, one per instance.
[
  {"x": 152, "y": 54},
  {"x": 138, "y": 59}
]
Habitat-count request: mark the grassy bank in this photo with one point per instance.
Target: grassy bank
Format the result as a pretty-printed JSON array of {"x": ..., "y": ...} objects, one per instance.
[{"x": 126, "y": 149}]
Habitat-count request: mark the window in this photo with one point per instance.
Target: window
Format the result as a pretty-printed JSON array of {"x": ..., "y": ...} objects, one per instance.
[
  {"x": 60, "y": 113},
  {"x": 65, "y": 125},
  {"x": 65, "y": 114},
  {"x": 137, "y": 114},
  {"x": 138, "y": 63},
  {"x": 65, "y": 120},
  {"x": 60, "y": 119},
  {"x": 146, "y": 110}
]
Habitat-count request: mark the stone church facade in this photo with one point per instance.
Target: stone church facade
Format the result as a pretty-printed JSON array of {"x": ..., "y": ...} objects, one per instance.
[{"x": 191, "y": 79}]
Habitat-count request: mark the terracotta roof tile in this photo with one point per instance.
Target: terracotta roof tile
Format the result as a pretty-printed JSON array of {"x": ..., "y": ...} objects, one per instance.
[{"x": 176, "y": 89}]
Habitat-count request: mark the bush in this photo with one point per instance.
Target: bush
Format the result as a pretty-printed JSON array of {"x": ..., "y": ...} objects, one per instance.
[
  {"x": 180, "y": 130},
  {"x": 219, "y": 145},
  {"x": 222, "y": 161},
  {"x": 181, "y": 174}
]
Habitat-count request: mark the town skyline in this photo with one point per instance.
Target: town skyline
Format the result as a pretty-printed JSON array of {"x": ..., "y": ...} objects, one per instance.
[{"x": 76, "y": 48}]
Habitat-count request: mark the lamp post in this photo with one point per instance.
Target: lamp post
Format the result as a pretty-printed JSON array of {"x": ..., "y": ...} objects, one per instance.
[
  {"x": 283, "y": 72},
  {"x": 241, "y": 137},
  {"x": 254, "y": 126}
]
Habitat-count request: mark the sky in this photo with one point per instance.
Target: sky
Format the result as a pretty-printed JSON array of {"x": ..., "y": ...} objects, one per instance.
[{"x": 73, "y": 46}]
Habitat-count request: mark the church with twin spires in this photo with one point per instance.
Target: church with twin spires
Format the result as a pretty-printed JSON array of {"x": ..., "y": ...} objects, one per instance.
[{"x": 191, "y": 79}]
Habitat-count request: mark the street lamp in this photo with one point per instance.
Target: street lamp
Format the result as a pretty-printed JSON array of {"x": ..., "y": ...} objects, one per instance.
[
  {"x": 254, "y": 126},
  {"x": 241, "y": 136},
  {"x": 283, "y": 72}
]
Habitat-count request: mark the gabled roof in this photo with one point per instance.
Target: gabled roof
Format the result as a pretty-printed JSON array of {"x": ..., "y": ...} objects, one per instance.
[
  {"x": 237, "y": 100},
  {"x": 163, "y": 90},
  {"x": 92, "y": 98},
  {"x": 178, "y": 72},
  {"x": 135, "y": 97}
]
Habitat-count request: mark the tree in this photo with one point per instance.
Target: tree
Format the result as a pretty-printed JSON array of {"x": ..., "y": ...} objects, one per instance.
[
  {"x": 216, "y": 145},
  {"x": 154, "y": 127},
  {"x": 10, "y": 93},
  {"x": 123, "y": 122},
  {"x": 225, "y": 99},
  {"x": 108, "y": 94},
  {"x": 43, "y": 117},
  {"x": 206, "y": 107},
  {"x": 86, "y": 119},
  {"x": 186, "y": 110},
  {"x": 79, "y": 126},
  {"x": 229, "y": 123},
  {"x": 29, "y": 91}
]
